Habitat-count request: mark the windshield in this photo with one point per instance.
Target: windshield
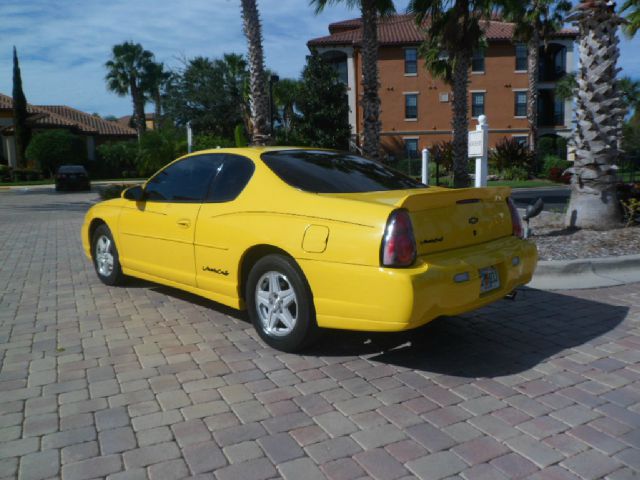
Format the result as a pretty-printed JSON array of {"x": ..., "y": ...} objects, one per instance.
[{"x": 335, "y": 172}]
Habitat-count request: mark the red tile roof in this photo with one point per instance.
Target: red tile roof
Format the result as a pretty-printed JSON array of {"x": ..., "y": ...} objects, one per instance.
[
  {"x": 402, "y": 29},
  {"x": 63, "y": 116}
]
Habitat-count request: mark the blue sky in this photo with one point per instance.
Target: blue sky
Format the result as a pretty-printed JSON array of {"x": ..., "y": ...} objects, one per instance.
[{"x": 63, "y": 44}]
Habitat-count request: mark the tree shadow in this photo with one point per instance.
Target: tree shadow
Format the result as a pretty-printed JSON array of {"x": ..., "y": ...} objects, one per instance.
[{"x": 505, "y": 338}]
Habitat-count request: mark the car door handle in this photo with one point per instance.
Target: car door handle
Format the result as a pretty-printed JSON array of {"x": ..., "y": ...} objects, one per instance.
[{"x": 184, "y": 223}]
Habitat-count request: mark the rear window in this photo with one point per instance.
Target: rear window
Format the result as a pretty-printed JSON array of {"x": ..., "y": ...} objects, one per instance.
[
  {"x": 71, "y": 169},
  {"x": 335, "y": 172}
]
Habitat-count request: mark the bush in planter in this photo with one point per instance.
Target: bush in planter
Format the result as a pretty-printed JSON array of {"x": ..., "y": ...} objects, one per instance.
[
  {"x": 514, "y": 173},
  {"x": 52, "y": 148},
  {"x": 554, "y": 167},
  {"x": 510, "y": 154},
  {"x": 112, "y": 191}
]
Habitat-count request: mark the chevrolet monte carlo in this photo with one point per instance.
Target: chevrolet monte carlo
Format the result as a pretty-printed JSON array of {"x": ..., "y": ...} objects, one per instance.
[{"x": 307, "y": 239}]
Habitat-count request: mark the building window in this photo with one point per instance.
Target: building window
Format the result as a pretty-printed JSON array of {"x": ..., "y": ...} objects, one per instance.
[
  {"x": 520, "y": 104},
  {"x": 411, "y": 147},
  {"x": 477, "y": 104},
  {"x": 411, "y": 106},
  {"x": 522, "y": 140},
  {"x": 522, "y": 55},
  {"x": 410, "y": 61},
  {"x": 477, "y": 62}
]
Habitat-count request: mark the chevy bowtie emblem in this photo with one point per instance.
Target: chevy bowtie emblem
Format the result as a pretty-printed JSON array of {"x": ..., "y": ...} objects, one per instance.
[{"x": 473, "y": 220}]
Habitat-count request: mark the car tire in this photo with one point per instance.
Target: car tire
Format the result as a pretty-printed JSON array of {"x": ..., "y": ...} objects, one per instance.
[
  {"x": 280, "y": 304},
  {"x": 105, "y": 257}
]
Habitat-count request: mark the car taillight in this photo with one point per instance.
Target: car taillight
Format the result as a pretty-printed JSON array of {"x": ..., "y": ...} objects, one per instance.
[
  {"x": 398, "y": 244},
  {"x": 516, "y": 222}
]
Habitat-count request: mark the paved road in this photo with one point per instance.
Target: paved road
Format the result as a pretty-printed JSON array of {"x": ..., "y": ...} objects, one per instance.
[
  {"x": 146, "y": 381},
  {"x": 555, "y": 198}
]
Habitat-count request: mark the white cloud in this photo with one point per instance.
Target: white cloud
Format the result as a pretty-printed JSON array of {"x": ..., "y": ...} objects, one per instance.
[{"x": 63, "y": 44}]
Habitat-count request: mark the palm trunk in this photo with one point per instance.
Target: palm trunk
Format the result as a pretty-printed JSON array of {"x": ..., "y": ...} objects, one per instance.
[
  {"x": 257, "y": 79},
  {"x": 533, "y": 68},
  {"x": 370, "y": 98},
  {"x": 138, "y": 107},
  {"x": 460, "y": 122},
  {"x": 594, "y": 202}
]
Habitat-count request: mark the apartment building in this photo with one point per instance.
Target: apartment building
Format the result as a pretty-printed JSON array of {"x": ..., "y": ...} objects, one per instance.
[{"x": 416, "y": 108}]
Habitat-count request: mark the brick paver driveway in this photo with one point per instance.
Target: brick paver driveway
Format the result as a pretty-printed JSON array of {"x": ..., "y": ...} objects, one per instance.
[{"x": 146, "y": 381}]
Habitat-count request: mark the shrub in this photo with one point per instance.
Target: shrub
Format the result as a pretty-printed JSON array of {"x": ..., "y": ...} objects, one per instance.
[
  {"x": 157, "y": 149},
  {"x": 556, "y": 146},
  {"x": 554, "y": 167},
  {"x": 5, "y": 173},
  {"x": 52, "y": 148},
  {"x": 112, "y": 191},
  {"x": 116, "y": 158},
  {"x": 514, "y": 173},
  {"x": 204, "y": 142},
  {"x": 240, "y": 136},
  {"x": 442, "y": 154},
  {"x": 508, "y": 154},
  {"x": 25, "y": 175}
]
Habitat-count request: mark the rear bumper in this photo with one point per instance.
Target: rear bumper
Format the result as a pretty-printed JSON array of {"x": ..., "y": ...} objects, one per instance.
[{"x": 380, "y": 299}]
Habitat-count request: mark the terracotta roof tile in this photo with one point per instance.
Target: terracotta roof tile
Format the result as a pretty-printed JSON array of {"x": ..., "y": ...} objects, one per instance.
[
  {"x": 88, "y": 123},
  {"x": 63, "y": 116},
  {"x": 402, "y": 29}
]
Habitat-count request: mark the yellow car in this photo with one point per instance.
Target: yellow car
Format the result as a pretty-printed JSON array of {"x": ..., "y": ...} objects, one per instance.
[{"x": 308, "y": 239}]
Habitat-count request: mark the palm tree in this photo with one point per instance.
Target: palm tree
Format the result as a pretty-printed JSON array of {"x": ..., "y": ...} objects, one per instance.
[
  {"x": 633, "y": 16},
  {"x": 126, "y": 75},
  {"x": 155, "y": 78},
  {"x": 535, "y": 21},
  {"x": 598, "y": 109},
  {"x": 454, "y": 32},
  {"x": 236, "y": 84},
  {"x": 370, "y": 10},
  {"x": 285, "y": 95},
  {"x": 257, "y": 78}
]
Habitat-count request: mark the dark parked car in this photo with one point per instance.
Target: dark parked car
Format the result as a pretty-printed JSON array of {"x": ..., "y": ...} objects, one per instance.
[{"x": 72, "y": 177}]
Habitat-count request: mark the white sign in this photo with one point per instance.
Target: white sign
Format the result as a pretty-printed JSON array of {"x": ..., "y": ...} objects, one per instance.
[{"x": 476, "y": 144}]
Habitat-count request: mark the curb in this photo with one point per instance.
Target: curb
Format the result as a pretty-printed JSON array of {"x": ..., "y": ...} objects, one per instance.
[
  {"x": 96, "y": 183},
  {"x": 586, "y": 273}
]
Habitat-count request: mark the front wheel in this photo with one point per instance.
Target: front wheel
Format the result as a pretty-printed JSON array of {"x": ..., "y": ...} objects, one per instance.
[
  {"x": 280, "y": 304},
  {"x": 105, "y": 257}
]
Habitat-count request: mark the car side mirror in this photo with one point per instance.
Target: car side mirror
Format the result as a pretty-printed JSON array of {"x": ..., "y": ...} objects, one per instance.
[
  {"x": 134, "y": 193},
  {"x": 534, "y": 210}
]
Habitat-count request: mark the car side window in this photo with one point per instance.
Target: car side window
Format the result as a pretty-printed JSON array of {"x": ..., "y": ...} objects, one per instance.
[
  {"x": 232, "y": 176},
  {"x": 185, "y": 181}
]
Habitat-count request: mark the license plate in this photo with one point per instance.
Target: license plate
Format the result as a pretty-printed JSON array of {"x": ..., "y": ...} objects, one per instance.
[{"x": 489, "y": 279}]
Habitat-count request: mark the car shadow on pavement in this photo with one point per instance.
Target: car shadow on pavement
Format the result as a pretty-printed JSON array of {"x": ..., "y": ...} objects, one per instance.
[{"x": 505, "y": 338}]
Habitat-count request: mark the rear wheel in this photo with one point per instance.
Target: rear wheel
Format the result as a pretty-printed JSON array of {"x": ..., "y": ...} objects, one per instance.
[
  {"x": 280, "y": 304},
  {"x": 105, "y": 257}
]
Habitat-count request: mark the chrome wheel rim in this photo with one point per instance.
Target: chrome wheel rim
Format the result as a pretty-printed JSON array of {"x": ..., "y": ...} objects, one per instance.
[
  {"x": 104, "y": 255},
  {"x": 276, "y": 304}
]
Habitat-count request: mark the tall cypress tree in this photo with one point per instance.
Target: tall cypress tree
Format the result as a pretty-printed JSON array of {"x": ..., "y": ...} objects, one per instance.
[{"x": 22, "y": 130}]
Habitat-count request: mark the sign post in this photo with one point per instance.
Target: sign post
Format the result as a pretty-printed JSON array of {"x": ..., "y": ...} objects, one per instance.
[
  {"x": 478, "y": 149},
  {"x": 189, "y": 137},
  {"x": 425, "y": 166}
]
